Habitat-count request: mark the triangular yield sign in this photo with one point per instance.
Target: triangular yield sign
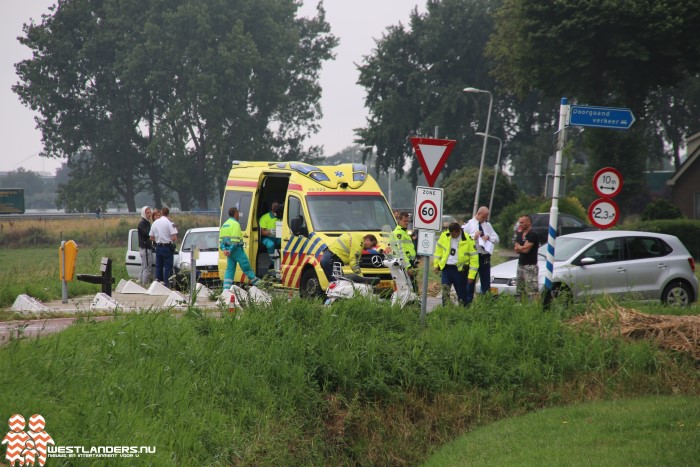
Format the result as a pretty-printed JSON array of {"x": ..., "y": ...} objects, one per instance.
[{"x": 432, "y": 154}]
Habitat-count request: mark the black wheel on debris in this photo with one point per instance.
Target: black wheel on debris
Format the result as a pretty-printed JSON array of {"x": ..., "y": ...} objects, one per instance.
[{"x": 310, "y": 286}]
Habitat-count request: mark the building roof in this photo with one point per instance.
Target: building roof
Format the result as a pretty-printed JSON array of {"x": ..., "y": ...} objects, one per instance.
[{"x": 693, "y": 143}]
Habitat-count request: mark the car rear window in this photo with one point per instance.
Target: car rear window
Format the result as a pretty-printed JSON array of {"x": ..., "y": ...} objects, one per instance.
[{"x": 646, "y": 247}]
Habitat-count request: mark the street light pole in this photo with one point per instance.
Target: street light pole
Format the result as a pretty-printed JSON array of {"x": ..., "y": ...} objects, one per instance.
[
  {"x": 495, "y": 169},
  {"x": 483, "y": 149}
]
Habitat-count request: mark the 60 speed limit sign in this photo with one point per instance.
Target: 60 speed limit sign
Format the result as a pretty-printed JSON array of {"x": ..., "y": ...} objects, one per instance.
[
  {"x": 603, "y": 213},
  {"x": 428, "y": 210}
]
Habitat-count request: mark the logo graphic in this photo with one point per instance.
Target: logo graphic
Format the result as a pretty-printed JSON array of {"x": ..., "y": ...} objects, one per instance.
[
  {"x": 26, "y": 448},
  {"x": 376, "y": 261}
]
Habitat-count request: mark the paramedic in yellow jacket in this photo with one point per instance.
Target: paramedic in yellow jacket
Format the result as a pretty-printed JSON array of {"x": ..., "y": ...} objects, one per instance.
[
  {"x": 231, "y": 243},
  {"x": 403, "y": 242},
  {"x": 456, "y": 258},
  {"x": 347, "y": 250},
  {"x": 268, "y": 227}
]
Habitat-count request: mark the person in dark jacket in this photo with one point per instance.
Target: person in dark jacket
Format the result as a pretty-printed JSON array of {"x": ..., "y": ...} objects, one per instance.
[{"x": 145, "y": 247}]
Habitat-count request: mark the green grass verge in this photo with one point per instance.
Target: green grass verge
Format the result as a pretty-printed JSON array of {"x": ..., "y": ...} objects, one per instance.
[
  {"x": 645, "y": 431},
  {"x": 299, "y": 383},
  {"x": 35, "y": 272}
]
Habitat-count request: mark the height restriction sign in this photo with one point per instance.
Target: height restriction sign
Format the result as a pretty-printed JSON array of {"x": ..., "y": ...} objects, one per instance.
[{"x": 428, "y": 210}]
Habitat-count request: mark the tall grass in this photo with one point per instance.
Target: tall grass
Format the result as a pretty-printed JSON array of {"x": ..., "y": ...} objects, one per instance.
[
  {"x": 298, "y": 383},
  {"x": 92, "y": 232}
]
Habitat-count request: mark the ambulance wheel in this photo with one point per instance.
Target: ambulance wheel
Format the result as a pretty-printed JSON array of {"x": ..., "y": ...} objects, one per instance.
[{"x": 310, "y": 287}]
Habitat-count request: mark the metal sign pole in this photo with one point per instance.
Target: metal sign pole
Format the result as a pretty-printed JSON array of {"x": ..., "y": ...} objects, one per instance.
[
  {"x": 426, "y": 273},
  {"x": 193, "y": 275},
  {"x": 64, "y": 283},
  {"x": 554, "y": 210},
  {"x": 424, "y": 292}
]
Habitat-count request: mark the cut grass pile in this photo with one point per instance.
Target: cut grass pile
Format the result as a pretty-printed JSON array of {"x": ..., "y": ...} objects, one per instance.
[
  {"x": 679, "y": 333},
  {"x": 298, "y": 383}
]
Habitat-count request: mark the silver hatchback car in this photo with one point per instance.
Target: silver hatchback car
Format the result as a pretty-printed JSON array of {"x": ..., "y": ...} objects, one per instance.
[{"x": 623, "y": 264}]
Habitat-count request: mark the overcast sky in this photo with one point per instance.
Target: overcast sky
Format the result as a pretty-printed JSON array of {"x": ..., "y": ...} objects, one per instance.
[{"x": 356, "y": 22}]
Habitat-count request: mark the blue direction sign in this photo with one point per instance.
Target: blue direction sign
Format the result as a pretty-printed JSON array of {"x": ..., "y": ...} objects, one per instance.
[{"x": 616, "y": 118}]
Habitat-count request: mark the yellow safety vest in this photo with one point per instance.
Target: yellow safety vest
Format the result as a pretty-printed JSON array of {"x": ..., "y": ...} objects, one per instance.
[
  {"x": 230, "y": 234},
  {"x": 402, "y": 240},
  {"x": 466, "y": 253},
  {"x": 348, "y": 247},
  {"x": 269, "y": 222}
]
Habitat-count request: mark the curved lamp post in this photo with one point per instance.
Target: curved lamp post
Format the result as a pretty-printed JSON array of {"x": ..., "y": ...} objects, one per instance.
[
  {"x": 496, "y": 168},
  {"x": 483, "y": 150}
]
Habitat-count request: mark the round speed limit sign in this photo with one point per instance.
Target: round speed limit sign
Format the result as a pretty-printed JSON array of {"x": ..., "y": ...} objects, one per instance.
[
  {"x": 427, "y": 211},
  {"x": 603, "y": 213}
]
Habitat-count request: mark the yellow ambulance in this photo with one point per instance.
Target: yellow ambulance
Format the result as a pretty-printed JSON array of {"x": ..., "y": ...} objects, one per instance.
[{"x": 320, "y": 203}]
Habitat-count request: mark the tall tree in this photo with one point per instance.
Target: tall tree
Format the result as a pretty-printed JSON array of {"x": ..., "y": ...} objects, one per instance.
[
  {"x": 144, "y": 84},
  {"x": 600, "y": 52},
  {"x": 88, "y": 185},
  {"x": 414, "y": 80},
  {"x": 676, "y": 113}
]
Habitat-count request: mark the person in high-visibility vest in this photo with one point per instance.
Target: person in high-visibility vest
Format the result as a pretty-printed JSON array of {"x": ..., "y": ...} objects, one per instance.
[
  {"x": 346, "y": 249},
  {"x": 231, "y": 243},
  {"x": 402, "y": 241},
  {"x": 457, "y": 260},
  {"x": 268, "y": 228}
]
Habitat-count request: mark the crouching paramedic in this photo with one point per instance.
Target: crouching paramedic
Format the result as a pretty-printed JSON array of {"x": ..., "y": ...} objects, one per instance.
[
  {"x": 231, "y": 243},
  {"x": 456, "y": 258},
  {"x": 346, "y": 249}
]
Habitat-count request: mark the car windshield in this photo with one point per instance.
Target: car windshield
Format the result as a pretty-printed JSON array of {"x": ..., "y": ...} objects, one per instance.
[
  {"x": 565, "y": 248},
  {"x": 349, "y": 213},
  {"x": 206, "y": 241}
]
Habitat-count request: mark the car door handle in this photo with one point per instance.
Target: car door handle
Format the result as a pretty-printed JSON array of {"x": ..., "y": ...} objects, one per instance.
[
  {"x": 620, "y": 269},
  {"x": 662, "y": 266},
  {"x": 132, "y": 257}
]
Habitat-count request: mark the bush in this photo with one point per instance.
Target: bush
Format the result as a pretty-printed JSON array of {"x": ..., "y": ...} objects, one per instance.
[
  {"x": 569, "y": 205},
  {"x": 661, "y": 209}
]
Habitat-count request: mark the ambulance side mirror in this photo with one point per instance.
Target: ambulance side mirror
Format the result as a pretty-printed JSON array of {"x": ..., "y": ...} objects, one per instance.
[{"x": 297, "y": 228}]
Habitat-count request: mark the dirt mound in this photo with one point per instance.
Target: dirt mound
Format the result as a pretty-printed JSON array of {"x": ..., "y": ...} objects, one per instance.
[{"x": 679, "y": 333}]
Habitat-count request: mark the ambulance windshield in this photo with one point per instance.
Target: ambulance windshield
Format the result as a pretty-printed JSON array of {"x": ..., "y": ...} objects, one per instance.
[{"x": 349, "y": 213}]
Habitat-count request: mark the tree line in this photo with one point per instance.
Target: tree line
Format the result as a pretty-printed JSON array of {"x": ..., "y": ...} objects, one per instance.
[
  {"x": 153, "y": 94},
  {"x": 635, "y": 53},
  {"x": 158, "y": 95}
]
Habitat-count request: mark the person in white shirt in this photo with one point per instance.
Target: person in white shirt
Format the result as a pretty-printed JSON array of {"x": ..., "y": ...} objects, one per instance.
[
  {"x": 485, "y": 237},
  {"x": 164, "y": 235}
]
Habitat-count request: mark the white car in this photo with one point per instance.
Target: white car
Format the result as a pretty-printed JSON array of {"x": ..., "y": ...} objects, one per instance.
[
  {"x": 133, "y": 256},
  {"x": 207, "y": 240},
  {"x": 623, "y": 264}
]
